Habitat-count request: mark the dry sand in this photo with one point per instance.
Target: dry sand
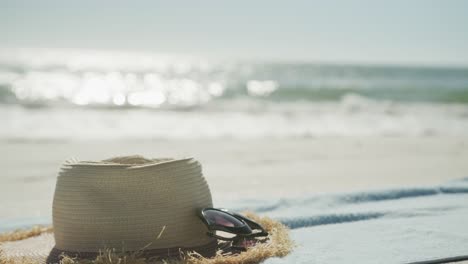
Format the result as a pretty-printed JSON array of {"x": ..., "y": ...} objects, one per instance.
[{"x": 238, "y": 169}]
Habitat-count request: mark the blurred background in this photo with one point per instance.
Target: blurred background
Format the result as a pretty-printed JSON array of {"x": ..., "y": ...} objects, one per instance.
[
  {"x": 276, "y": 99},
  {"x": 174, "y": 70}
]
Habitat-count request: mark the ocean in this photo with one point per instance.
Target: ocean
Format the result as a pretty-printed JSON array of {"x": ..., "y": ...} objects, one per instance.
[{"x": 80, "y": 95}]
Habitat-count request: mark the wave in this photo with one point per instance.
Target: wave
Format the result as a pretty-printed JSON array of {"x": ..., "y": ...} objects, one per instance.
[
  {"x": 184, "y": 97},
  {"x": 46, "y": 97},
  {"x": 142, "y": 80},
  {"x": 180, "y": 98},
  {"x": 235, "y": 119}
]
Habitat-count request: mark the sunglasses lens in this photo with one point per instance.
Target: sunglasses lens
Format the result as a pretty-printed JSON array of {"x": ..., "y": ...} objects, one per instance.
[
  {"x": 256, "y": 228},
  {"x": 220, "y": 218}
]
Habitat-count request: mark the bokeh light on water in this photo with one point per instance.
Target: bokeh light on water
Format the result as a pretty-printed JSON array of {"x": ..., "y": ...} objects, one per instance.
[{"x": 187, "y": 97}]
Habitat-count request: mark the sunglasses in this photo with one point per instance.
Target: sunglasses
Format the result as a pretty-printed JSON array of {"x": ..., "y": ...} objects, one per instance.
[{"x": 230, "y": 226}]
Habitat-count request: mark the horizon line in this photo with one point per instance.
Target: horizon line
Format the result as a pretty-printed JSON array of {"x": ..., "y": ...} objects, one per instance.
[{"x": 237, "y": 58}]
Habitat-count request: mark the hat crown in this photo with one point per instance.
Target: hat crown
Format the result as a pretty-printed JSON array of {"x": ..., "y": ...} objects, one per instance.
[{"x": 130, "y": 203}]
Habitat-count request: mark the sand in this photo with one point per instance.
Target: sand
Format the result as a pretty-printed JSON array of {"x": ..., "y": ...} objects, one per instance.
[
  {"x": 241, "y": 169},
  {"x": 347, "y": 200}
]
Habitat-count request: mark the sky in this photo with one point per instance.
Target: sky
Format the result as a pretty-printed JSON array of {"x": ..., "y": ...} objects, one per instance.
[{"x": 365, "y": 31}]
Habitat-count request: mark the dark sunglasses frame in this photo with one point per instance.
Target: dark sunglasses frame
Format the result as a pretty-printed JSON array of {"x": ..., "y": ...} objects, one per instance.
[{"x": 245, "y": 231}]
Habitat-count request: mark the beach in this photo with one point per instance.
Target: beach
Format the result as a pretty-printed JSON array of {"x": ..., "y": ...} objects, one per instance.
[
  {"x": 262, "y": 169},
  {"x": 364, "y": 163},
  {"x": 366, "y": 200},
  {"x": 345, "y": 124}
]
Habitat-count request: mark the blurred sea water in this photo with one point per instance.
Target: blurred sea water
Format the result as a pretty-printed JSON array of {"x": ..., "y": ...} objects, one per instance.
[{"x": 76, "y": 94}]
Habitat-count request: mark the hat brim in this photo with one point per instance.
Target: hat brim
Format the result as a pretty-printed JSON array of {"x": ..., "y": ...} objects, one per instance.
[{"x": 37, "y": 246}]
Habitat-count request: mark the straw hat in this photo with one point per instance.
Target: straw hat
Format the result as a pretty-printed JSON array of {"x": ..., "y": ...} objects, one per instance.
[{"x": 127, "y": 204}]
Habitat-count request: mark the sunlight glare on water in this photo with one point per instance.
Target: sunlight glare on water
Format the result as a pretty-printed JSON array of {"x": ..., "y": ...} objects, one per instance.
[
  {"x": 188, "y": 97},
  {"x": 109, "y": 79}
]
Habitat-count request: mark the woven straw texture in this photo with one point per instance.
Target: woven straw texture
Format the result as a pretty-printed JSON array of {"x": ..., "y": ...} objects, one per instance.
[
  {"x": 124, "y": 207},
  {"x": 125, "y": 203},
  {"x": 278, "y": 245}
]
